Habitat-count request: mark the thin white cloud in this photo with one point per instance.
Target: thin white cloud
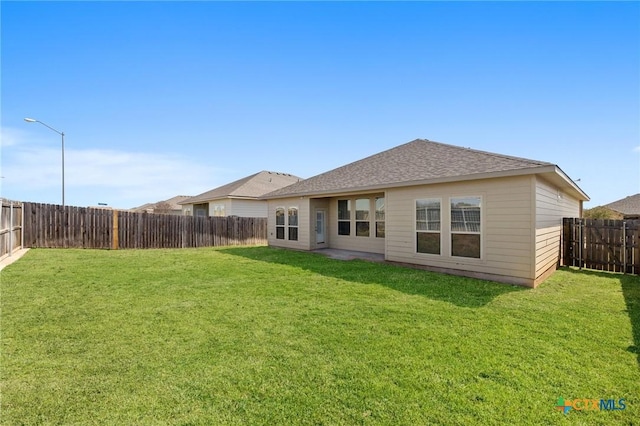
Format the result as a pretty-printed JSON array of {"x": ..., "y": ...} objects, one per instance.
[
  {"x": 637, "y": 148},
  {"x": 127, "y": 178},
  {"x": 10, "y": 136}
]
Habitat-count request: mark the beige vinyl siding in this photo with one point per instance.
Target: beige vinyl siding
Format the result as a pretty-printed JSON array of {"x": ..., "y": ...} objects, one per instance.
[
  {"x": 552, "y": 205},
  {"x": 235, "y": 207},
  {"x": 507, "y": 219},
  {"x": 370, "y": 244},
  {"x": 247, "y": 208},
  {"x": 302, "y": 204}
]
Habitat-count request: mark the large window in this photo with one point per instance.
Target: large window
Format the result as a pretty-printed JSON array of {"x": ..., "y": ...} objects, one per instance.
[
  {"x": 293, "y": 224},
  {"x": 465, "y": 226},
  {"x": 428, "y": 220},
  {"x": 218, "y": 210},
  {"x": 280, "y": 223},
  {"x": 362, "y": 217},
  {"x": 380, "y": 217},
  {"x": 287, "y": 223},
  {"x": 344, "y": 217}
]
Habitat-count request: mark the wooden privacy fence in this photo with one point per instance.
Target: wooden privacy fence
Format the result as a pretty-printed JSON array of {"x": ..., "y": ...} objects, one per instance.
[
  {"x": 55, "y": 226},
  {"x": 10, "y": 227},
  {"x": 605, "y": 245}
]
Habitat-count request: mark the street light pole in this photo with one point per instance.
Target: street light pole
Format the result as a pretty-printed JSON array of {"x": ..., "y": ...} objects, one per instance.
[{"x": 33, "y": 120}]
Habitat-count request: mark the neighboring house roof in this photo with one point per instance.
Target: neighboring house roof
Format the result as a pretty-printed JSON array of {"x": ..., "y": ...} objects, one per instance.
[
  {"x": 176, "y": 201},
  {"x": 421, "y": 162},
  {"x": 254, "y": 186},
  {"x": 628, "y": 206},
  {"x": 144, "y": 207},
  {"x": 173, "y": 202}
]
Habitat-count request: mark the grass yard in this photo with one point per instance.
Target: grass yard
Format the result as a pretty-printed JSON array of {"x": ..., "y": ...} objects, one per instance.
[{"x": 266, "y": 336}]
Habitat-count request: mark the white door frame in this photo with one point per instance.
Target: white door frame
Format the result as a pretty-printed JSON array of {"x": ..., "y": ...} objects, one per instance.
[{"x": 323, "y": 225}]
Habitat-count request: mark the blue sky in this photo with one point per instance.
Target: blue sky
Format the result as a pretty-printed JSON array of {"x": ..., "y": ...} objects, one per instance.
[{"x": 159, "y": 99}]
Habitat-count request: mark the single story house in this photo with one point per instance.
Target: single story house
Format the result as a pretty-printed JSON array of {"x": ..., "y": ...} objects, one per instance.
[
  {"x": 443, "y": 207},
  {"x": 628, "y": 207},
  {"x": 170, "y": 206},
  {"x": 238, "y": 198}
]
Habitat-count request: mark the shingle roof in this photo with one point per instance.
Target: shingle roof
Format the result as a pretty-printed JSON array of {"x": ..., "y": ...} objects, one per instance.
[
  {"x": 416, "y": 161},
  {"x": 628, "y": 206},
  {"x": 253, "y": 186},
  {"x": 174, "y": 202},
  {"x": 143, "y": 208}
]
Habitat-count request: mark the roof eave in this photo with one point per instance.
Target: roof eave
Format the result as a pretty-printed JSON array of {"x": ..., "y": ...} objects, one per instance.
[
  {"x": 572, "y": 186},
  {"x": 226, "y": 197},
  {"x": 545, "y": 169},
  {"x": 202, "y": 200},
  {"x": 243, "y": 197}
]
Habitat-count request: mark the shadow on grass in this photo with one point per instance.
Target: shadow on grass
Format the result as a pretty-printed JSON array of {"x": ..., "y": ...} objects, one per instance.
[
  {"x": 460, "y": 291},
  {"x": 631, "y": 291},
  {"x": 630, "y": 285}
]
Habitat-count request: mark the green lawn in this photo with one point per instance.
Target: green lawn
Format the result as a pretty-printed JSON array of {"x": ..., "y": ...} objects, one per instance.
[{"x": 266, "y": 336}]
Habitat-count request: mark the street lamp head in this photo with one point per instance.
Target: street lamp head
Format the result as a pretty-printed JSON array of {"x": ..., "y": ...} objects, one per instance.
[{"x": 33, "y": 120}]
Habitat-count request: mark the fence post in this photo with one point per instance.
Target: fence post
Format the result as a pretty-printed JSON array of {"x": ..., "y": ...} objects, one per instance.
[
  {"x": 624, "y": 247},
  {"x": 566, "y": 240},
  {"x": 22, "y": 227},
  {"x": 183, "y": 231},
  {"x": 580, "y": 242},
  {"x": 114, "y": 246},
  {"x": 10, "y": 228},
  {"x": 1, "y": 211}
]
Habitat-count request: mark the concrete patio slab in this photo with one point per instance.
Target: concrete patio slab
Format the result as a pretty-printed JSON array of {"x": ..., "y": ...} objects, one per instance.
[
  {"x": 350, "y": 255},
  {"x": 8, "y": 260}
]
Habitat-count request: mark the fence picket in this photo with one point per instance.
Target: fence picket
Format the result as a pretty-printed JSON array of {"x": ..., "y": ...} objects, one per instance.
[
  {"x": 605, "y": 245},
  {"x": 54, "y": 226},
  {"x": 11, "y": 232}
]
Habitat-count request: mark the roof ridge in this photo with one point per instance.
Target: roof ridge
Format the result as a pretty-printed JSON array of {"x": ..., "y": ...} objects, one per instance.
[
  {"x": 274, "y": 172},
  {"x": 419, "y": 160},
  {"x": 250, "y": 178},
  {"x": 245, "y": 181},
  {"x": 244, "y": 187},
  {"x": 493, "y": 154},
  {"x": 436, "y": 143}
]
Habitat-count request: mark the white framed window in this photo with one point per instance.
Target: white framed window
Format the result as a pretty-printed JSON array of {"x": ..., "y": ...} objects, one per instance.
[
  {"x": 364, "y": 215},
  {"x": 466, "y": 226},
  {"x": 280, "y": 223},
  {"x": 428, "y": 226},
  {"x": 218, "y": 210},
  {"x": 344, "y": 217},
  {"x": 292, "y": 220},
  {"x": 287, "y": 223},
  {"x": 380, "y": 219},
  {"x": 363, "y": 206}
]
